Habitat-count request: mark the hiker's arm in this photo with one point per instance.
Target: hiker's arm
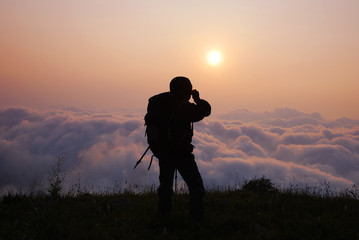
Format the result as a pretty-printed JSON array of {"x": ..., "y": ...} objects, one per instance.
[
  {"x": 199, "y": 110},
  {"x": 202, "y": 109}
]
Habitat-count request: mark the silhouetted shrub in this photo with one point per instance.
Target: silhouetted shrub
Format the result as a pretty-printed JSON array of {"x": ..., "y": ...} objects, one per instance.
[
  {"x": 55, "y": 178},
  {"x": 262, "y": 184}
]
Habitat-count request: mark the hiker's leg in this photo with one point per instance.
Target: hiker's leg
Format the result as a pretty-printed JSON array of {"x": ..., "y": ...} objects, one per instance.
[
  {"x": 165, "y": 190},
  {"x": 190, "y": 174}
]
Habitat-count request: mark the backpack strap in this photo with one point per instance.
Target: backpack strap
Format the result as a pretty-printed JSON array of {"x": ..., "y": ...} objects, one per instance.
[
  {"x": 149, "y": 166},
  {"x": 138, "y": 162}
]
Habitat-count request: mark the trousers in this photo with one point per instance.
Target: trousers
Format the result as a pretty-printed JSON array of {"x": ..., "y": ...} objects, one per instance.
[{"x": 187, "y": 167}]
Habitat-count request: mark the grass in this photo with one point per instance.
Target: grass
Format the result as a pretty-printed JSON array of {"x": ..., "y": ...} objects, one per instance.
[{"x": 256, "y": 211}]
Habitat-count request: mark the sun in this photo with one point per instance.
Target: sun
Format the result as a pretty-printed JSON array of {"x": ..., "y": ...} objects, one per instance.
[{"x": 214, "y": 57}]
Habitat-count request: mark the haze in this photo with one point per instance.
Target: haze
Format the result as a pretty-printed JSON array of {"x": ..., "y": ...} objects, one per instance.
[{"x": 116, "y": 54}]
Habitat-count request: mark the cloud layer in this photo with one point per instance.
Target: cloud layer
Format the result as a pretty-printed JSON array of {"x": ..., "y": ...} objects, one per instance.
[{"x": 102, "y": 148}]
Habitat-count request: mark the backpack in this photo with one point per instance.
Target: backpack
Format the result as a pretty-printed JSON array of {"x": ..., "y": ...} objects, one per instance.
[
  {"x": 162, "y": 132},
  {"x": 160, "y": 114}
]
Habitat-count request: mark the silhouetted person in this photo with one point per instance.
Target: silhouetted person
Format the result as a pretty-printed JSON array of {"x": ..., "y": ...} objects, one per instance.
[{"x": 170, "y": 118}]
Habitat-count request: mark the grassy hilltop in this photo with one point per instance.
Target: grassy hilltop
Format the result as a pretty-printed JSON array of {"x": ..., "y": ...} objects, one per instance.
[{"x": 256, "y": 211}]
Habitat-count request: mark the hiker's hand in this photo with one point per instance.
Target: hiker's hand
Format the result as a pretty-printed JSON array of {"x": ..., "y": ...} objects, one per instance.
[{"x": 195, "y": 95}]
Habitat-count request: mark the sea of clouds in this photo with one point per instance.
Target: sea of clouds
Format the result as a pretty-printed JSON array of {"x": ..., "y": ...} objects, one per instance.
[{"x": 100, "y": 149}]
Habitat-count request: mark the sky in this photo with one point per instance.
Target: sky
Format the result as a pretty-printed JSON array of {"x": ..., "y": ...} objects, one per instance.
[
  {"x": 116, "y": 54},
  {"x": 76, "y": 76}
]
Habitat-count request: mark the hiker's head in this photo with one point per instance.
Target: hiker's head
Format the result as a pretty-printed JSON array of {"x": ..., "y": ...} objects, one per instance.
[{"x": 181, "y": 87}]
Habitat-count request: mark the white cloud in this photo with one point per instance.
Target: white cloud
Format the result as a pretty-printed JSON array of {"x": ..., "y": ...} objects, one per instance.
[{"x": 103, "y": 147}]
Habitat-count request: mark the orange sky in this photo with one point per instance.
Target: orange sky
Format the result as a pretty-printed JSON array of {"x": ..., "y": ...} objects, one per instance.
[{"x": 116, "y": 54}]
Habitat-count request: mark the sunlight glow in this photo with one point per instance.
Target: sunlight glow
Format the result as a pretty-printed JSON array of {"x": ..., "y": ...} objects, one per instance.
[{"x": 214, "y": 57}]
